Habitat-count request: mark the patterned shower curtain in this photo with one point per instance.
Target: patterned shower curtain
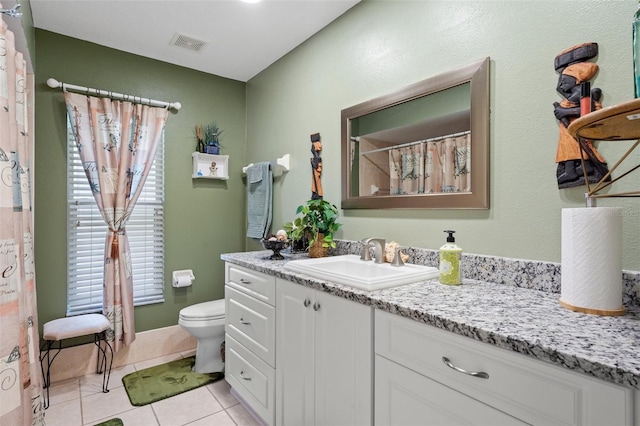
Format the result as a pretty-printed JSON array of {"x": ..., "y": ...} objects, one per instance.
[
  {"x": 20, "y": 377},
  {"x": 431, "y": 167},
  {"x": 117, "y": 143}
]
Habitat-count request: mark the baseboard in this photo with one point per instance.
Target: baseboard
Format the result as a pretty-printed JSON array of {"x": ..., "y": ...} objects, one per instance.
[
  {"x": 80, "y": 360},
  {"x": 248, "y": 408}
]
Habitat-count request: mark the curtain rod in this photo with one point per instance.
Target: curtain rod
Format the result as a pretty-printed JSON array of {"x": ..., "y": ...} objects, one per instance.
[
  {"x": 434, "y": 139},
  {"x": 13, "y": 12},
  {"x": 53, "y": 83}
]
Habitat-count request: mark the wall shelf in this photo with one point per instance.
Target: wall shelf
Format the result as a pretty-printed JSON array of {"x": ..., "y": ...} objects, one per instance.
[
  {"x": 614, "y": 123},
  {"x": 210, "y": 166}
]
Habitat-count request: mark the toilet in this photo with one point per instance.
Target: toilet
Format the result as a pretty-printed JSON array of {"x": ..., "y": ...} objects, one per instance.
[{"x": 205, "y": 322}]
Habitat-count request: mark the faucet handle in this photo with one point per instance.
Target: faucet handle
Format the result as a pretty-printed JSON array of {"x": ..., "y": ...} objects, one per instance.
[
  {"x": 397, "y": 258},
  {"x": 366, "y": 254}
]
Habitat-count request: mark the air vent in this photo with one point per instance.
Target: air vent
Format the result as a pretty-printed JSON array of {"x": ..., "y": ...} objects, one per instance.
[{"x": 181, "y": 40}]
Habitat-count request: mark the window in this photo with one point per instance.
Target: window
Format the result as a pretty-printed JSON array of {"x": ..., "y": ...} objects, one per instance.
[{"x": 87, "y": 233}]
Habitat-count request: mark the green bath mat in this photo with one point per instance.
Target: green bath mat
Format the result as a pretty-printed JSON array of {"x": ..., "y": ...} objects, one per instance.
[
  {"x": 111, "y": 422},
  {"x": 163, "y": 381}
]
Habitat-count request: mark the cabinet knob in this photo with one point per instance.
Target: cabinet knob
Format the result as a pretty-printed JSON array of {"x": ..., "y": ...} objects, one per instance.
[
  {"x": 479, "y": 374},
  {"x": 243, "y": 377},
  {"x": 316, "y": 306},
  {"x": 242, "y": 321},
  {"x": 243, "y": 281},
  {"x": 306, "y": 303}
]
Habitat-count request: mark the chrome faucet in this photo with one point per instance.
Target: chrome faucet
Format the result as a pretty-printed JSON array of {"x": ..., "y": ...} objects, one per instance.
[
  {"x": 378, "y": 249},
  {"x": 397, "y": 257}
]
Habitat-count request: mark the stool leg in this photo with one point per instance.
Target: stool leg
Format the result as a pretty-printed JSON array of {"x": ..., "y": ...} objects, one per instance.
[
  {"x": 46, "y": 377},
  {"x": 103, "y": 363}
]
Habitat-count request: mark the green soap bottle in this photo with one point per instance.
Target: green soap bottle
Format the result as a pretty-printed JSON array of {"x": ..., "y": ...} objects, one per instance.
[{"x": 450, "y": 255}]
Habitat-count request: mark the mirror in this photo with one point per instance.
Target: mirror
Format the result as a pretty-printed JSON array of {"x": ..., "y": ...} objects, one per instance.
[{"x": 424, "y": 146}]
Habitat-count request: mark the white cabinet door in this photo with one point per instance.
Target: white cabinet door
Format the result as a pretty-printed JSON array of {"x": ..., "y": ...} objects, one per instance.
[
  {"x": 344, "y": 361},
  {"x": 295, "y": 348},
  {"x": 404, "y": 397},
  {"x": 325, "y": 357}
]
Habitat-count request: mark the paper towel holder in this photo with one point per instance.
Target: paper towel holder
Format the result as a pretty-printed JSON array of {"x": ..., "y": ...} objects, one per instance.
[{"x": 183, "y": 278}]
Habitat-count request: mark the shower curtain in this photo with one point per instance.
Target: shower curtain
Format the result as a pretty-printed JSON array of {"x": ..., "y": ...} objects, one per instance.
[
  {"x": 431, "y": 167},
  {"x": 20, "y": 377},
  {"x": 117, "y": 143}
]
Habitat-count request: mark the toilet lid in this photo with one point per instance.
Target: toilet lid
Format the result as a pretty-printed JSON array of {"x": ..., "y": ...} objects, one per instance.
[{"x": 204, "y": 311}]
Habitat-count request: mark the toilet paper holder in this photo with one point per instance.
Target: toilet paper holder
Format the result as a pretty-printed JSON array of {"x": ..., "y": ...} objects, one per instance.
[{"x": 183, "y": 278}]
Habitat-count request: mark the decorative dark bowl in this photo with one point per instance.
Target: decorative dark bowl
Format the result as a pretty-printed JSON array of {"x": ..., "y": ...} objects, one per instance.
[{"x": 275, "y": 246}]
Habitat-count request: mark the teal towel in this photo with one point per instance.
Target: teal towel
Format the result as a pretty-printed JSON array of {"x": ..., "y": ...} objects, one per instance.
[{"x": 259, "y": 199}]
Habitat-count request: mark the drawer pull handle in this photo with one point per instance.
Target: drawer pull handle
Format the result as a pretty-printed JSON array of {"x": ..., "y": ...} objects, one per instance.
[
  {"x": 480, "y": 374},
  {"x": 242, "y": 321},
  {"x": 243, "y": 377},
  {"x": 243, "y": 281},
  {"x": 316, "y": 306}
]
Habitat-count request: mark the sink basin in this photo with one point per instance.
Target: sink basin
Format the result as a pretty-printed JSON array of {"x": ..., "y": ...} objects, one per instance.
[{"x": 349, "y": 270}]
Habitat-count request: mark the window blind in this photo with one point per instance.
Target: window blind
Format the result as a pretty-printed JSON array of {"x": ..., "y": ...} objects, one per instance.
[{"x": 87, "y": 233}]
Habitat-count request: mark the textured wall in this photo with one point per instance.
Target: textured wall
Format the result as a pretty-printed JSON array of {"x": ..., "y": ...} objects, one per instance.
[
  {"x": 203, "y": 218},
  {"x": 381, "y": 46}
]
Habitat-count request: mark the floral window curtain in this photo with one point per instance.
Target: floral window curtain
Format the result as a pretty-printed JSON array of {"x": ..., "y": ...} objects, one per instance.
[
  {"x": 20, "y": 378},
  {"x": 117, "y": 143},
  {"x": 431, "y": 167}
]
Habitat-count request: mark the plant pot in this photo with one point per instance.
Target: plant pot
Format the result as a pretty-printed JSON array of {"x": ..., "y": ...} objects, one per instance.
[
  {"x": 300, "y": 246},
  {"x": 212, "y": 149},
  {"x": 316, "y": 250}
]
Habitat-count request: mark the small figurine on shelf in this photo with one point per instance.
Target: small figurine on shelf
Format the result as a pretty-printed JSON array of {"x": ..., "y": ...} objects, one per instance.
[{"x": 213, "y": 170}]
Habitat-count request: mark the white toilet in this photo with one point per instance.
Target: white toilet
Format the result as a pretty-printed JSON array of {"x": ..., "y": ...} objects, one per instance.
[{"x": 205, "y": 322}]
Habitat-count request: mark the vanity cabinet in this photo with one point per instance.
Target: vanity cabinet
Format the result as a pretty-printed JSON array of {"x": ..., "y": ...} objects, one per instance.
[
  {"x": 324, "y": 367},
  {"x": 482, "y": 385},
  {"x": 250, "y": 338}
]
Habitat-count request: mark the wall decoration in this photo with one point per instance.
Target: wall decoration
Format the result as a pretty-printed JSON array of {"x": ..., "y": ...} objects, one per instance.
[
  {"x": 577, "y": 160},
  {"x": 208, "y": 138},
  {"x": 316, "y": 167}
]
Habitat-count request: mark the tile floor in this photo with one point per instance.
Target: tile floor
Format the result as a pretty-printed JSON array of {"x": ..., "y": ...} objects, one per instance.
[{"x": 80, "y": 401}]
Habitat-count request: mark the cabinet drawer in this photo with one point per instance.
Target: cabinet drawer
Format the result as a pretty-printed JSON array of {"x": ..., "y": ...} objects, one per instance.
[
  {"x": 252, "y": 378},
  {"x": 257, "y": 284},
  {"x": 252, "y": 323},
  {"x": 531, "y": 390},
  {"x": 404, "y": 397}
]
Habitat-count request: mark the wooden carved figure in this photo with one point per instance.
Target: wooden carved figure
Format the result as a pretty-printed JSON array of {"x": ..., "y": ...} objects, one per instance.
[
  {"x": 316, "y": 167},
  {"x": 571, "y": 156}
]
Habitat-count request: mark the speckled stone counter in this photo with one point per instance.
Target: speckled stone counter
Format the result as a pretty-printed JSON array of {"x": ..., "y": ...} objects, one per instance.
[{"x": 516, "y": 316}]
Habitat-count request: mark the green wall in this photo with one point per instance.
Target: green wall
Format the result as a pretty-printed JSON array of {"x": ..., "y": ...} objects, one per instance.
[
  {"x": 203, "y": 218},
  {"x": 378, "y": 47},
  {"x": 375, "y": 48}
]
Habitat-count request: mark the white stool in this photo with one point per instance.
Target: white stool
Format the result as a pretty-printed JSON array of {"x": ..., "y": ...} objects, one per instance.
[{"x": 66, "y": 328}]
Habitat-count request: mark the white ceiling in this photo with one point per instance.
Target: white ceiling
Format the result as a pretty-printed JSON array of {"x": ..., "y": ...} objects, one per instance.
[{"x": 242, "y": 38}]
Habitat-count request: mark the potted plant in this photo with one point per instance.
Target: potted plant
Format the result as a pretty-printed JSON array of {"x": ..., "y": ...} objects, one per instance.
[
  {"x": 208, "y": 138},
  {"x": 317, "y": 223}
]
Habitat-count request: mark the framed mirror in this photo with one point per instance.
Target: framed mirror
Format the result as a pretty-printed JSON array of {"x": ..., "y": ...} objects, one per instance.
[{"x": 425, "y": 146}]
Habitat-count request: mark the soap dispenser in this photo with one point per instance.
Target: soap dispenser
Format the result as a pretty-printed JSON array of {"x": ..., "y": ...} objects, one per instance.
[{"x": 450, "y": 255}]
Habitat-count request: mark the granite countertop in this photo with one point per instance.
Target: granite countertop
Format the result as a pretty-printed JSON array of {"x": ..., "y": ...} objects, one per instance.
[{"x": 527, "y": 321}]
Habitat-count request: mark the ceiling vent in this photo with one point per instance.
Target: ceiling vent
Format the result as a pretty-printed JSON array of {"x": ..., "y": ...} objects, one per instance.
[{"x": 181, "y": 40}]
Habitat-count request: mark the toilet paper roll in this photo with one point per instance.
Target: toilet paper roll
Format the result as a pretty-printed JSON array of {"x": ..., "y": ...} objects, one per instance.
[
  {"x": 591, "y": 279},
  {"x": 183, "y": 278}
]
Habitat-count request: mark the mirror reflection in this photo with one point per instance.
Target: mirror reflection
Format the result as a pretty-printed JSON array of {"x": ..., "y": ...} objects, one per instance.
[{"x": 425, "y": 146}]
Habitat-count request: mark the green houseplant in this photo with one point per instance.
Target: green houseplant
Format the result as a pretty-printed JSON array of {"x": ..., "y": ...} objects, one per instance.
[
  {"x": 317, "y": 223},
  {"x": 208, "y": 138}
]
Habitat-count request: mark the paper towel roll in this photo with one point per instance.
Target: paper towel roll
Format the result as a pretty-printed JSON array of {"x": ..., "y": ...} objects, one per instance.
[{"x": 592, "y": 260}]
